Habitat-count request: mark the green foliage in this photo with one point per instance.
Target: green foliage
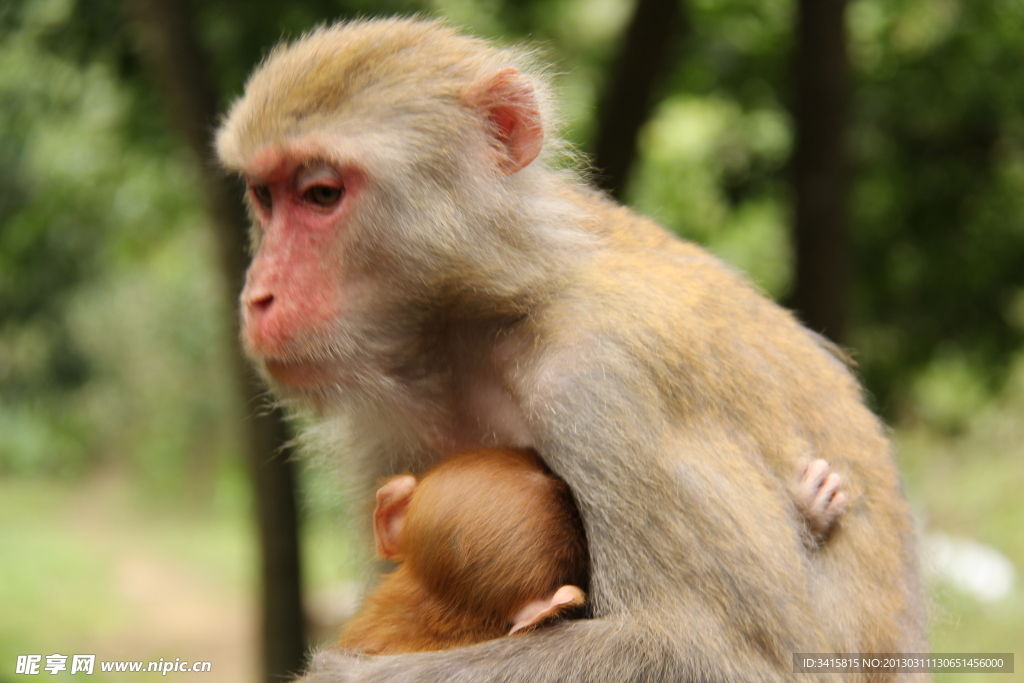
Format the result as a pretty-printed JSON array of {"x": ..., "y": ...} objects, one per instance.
[
  {"x": 714, "y": 153},
  {"x": 50, "y": 115},
  {"x": 105, "y": 266},
  {"x": 939, "y": 210},
  {"x": 695, "y": 151}
]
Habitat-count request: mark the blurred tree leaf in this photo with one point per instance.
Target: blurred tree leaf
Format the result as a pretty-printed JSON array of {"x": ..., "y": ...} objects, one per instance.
[{"x": 939, "y": 206}]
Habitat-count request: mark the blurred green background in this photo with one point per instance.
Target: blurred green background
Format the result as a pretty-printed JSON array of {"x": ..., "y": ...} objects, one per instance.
[{"x": 125, "y": 508}]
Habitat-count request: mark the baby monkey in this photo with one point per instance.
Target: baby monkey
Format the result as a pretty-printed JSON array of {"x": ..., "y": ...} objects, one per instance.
[{"x": 490, "y": 543}]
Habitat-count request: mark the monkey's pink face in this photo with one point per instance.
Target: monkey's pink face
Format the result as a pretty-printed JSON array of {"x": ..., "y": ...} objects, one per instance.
[{"x": 295, "y": 289}]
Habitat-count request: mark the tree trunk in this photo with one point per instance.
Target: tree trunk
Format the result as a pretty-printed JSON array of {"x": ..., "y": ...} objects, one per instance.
[
  {"x": 819, "y": 167},
  {"x": 167, "y": 40},
  {"x": 629, "y": 96}
]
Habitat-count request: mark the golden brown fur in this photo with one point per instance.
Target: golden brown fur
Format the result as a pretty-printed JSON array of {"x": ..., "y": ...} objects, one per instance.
[{"x": 485, "y": 533}]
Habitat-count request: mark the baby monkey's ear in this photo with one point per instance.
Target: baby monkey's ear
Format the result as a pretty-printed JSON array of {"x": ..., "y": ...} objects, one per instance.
[
  {"x": 541, "y": 610},
  {"x": 389, "y": 517}
]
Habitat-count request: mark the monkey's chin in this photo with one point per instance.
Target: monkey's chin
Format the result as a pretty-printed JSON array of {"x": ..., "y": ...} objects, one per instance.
[{"x": 305, "y": 375}]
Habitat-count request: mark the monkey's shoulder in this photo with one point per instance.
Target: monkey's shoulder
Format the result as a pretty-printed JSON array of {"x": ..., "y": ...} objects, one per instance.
[
  {"x": 644, "y": 268},
  {"x": 673, "y": 307}
]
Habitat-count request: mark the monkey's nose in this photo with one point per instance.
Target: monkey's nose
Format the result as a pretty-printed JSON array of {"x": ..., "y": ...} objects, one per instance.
[{"x": 260, "y": 303}]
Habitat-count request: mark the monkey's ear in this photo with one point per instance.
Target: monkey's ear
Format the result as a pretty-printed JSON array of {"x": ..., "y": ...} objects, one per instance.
[
  {"x": 538, "y": 611},
  {"x": 392, "y": 503},
  {"x": 507, "y": 100}
]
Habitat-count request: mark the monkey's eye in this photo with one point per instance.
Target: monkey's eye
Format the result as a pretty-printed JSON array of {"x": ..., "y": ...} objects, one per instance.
[
  {"x": 263, "y": 196},
  {"x": 323, "y": 195}
]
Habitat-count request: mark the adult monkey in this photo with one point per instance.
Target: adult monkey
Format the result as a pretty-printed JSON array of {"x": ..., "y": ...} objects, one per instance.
[{"x": 424, "y": 277}]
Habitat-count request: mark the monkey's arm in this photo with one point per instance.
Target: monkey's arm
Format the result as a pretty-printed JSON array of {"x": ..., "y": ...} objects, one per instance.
[
  {"x": 584, "y": 650},
  {"x": 684, "y": 588}
]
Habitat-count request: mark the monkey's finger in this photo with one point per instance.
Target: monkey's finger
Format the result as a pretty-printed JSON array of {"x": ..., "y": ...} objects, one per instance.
[
  {"x": 815, "y": 474},
  {"x": 827, "y": 491},
  {"x": 837, "y": 505},
  {"x": 544, "y": 609},
  {"x": 809, "y": 484},
  {"x": 568, "y": 595}
]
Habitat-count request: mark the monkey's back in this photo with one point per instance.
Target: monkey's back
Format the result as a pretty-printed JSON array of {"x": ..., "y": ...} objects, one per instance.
[{"x": 748, "y": 395}]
